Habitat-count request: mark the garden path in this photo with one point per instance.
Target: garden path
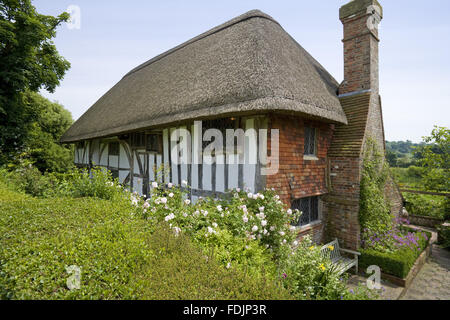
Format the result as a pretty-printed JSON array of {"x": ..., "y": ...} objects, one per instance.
[{"x": 433, "y": 281}]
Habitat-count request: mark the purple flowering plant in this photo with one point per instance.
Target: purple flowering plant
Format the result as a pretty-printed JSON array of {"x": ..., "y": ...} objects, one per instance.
[{"x": 393, "y": 238}]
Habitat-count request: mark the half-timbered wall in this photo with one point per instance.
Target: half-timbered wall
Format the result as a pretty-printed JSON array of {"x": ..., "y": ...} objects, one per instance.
[{"x": 137, "y": 167}]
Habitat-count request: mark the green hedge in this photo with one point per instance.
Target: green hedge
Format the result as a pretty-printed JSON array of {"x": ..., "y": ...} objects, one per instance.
[
  {"x": 122, "y": 256},
  {"x": 397, "y": 263},
  {"x": 444, "y": 236}
]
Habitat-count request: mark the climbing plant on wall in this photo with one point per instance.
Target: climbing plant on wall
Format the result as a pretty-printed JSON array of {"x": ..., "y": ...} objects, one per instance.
[{"x": 374, "y": 212}]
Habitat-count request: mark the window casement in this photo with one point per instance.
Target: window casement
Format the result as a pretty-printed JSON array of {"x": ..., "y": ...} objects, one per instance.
[
  {"x": 154, "y": 143},
  {"x": 310, "y": 142},
  {"x": 310, "y": 208},
  {"x": 114, "y": 149},
  {"x": 222, "y": 125},
  {"x": 138, "y": 140}
]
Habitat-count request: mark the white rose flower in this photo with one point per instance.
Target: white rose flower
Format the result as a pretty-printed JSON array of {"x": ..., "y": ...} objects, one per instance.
[
  {"x": 295, "y": 243},
  {"x": 289, "y": 211},
  {"x": 155, "y": 184},
  {"x": 261, "y": 209},
  {"x": 184, "y": 183},
  {"x": 215, "y": 225},
  {"x": 171, "y": 195},
  {"x": 255, "y": 228},
  {"x": 264, "y": 223},
  {"x": 170, "y": 185},
  {"x": 187, "y": 201},
  {"x": 163, "y": 200},
  {"x": 219, "y": 208},
  {"x": 250, "y": 195},
  {"x": 282, "y": 233}
]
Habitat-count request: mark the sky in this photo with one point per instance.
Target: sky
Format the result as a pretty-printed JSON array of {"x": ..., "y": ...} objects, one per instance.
[{"x": 116, "y": 36}]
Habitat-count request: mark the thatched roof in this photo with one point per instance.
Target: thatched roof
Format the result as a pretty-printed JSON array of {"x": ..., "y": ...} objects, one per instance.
[{"x": 247, "y": 65}]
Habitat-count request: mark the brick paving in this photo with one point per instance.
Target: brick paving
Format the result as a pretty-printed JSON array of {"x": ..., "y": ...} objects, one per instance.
[{"x": 433, "y": 281}]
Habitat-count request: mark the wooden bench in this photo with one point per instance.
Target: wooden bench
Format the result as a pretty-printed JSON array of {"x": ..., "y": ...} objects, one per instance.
[{"x": 342, "y": 264}]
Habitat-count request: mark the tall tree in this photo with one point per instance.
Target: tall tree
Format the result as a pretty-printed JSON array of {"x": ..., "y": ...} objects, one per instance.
[
  {"x": 29, "y": 61},
  {"x": 436, "y": 159}
]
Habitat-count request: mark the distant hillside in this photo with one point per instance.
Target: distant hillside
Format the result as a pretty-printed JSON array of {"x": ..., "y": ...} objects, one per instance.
[{"x": 401, "y": 153}]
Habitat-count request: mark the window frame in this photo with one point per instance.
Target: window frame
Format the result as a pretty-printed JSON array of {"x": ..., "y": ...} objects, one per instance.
[
  {"x": 297, "y": 204},
  {"x": 307, "y": 132}
]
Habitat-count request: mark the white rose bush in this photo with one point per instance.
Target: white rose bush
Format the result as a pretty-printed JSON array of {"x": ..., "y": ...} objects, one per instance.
[{"x": 245, "y": 230}]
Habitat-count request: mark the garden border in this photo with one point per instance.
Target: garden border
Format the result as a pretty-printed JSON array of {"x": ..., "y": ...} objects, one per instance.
[{"x": 420, "y": 261}]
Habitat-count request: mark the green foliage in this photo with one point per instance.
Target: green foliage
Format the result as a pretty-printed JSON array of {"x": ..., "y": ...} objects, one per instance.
[
  {"x": 309, "y": 275},
  {"x": 29, "y": 62},
  {"x": 161, "y": 248},
  {"x": 96, "y": 183},
  {"x": 426, "y": 205},
  {"x": 374, "y": 214},
  {"x": 244, "y": 230},
  {"x": 444, "y": 235},
  {"x": 121, "y": 255},
  {"x": 401, "y": 153},
  {"x": 44, "y": 134},
  {"x": 397, "y": 263},
  {"x": 436, "y": 160}
]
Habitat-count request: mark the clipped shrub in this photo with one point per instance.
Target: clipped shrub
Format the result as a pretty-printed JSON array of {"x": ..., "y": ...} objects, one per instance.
[
  {"x": 121, "y": 256},
  {"x": 444, "y": 235},
  {"x": 399, "y": 262}
]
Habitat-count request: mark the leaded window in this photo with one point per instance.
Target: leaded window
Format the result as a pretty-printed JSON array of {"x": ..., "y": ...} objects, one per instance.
[
  {"x": 310, "y": 141},
  {"x": 154, "y": 143},
  {"x": 310, "y": 208},
  {"x": 114, "y": 149},
  {"x": 138, "y": 140},
  {"x": 220, "y": 124}
]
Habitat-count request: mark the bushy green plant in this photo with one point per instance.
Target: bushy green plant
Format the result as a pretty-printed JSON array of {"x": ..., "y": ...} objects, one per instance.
[
  {"x": 374, "y": 212},
  {"x": 121, "y": 256},
  {"x": 426, "y": 205},
  {"x": 398, "y": 262},
  {"x": 310, "y": 275},
  {"x": 96, "y": 182},
  {"x": 259, "y": 218},
  {"x": 444, "y": 235}
]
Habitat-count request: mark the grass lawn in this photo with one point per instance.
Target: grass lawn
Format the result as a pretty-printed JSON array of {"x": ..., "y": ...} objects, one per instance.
[{"x": 120, "y": 256}]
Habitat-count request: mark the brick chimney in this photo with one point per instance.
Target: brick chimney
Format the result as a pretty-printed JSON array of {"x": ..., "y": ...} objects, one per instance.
[{"x": 360, "y": 19}]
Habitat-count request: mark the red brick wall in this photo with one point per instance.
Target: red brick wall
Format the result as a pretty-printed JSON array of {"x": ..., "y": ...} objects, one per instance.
[
  {"x": 297, "y": 177},
  {"x": 341, "y": 205},
  {"x": 360, "y": 56}
]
